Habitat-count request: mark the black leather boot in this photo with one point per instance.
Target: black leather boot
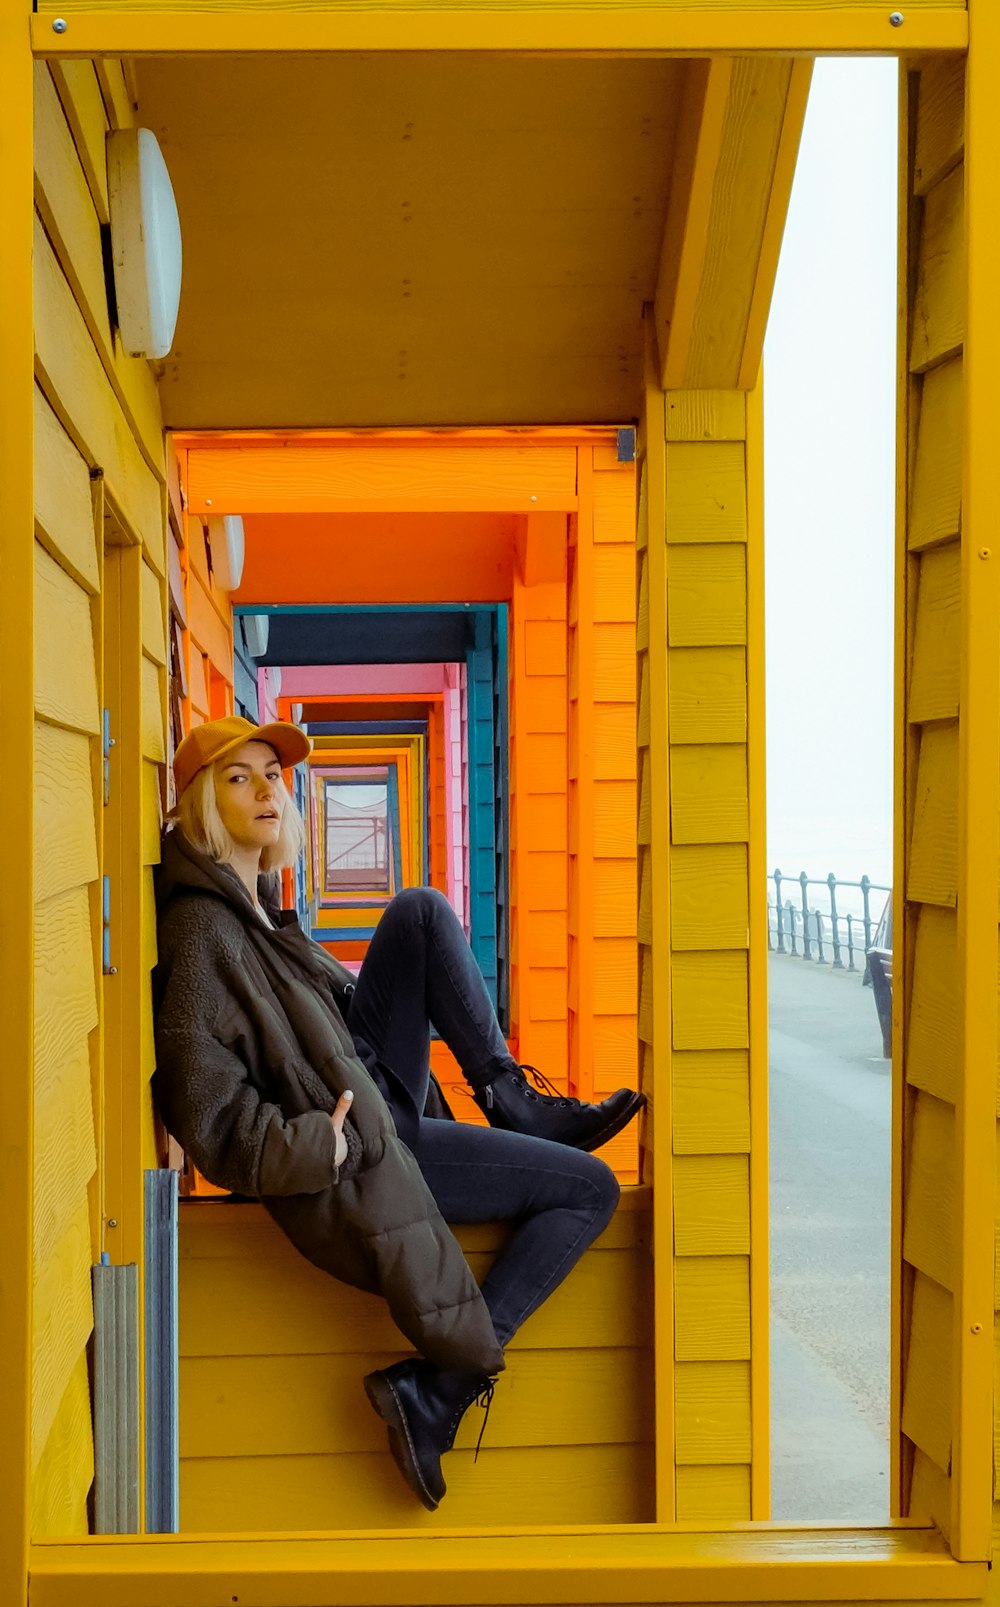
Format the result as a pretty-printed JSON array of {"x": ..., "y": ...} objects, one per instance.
[
  {"x": 422, "y": 1407},
  {"x": 510, "y": 1102}
]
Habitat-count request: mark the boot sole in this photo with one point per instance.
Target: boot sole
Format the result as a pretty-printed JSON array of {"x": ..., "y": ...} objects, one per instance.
[
  {"x": 614, "y": 1128},
  {"x": 386, "y": 1403}
]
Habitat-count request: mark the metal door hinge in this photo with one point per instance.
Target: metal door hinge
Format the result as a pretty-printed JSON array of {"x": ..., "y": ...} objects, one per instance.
[
  {"x": 108, "y": 742},
  {"x": 106, "y": 966}
]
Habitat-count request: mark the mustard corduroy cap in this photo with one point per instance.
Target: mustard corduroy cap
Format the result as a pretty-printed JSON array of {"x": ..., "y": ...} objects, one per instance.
[{"x": 216, "y": 738}]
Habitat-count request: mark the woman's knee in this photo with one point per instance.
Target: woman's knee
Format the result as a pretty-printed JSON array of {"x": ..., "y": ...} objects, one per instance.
[
  {"x": 606, "y": 1188},
  {"x": 421, "y": 904}
]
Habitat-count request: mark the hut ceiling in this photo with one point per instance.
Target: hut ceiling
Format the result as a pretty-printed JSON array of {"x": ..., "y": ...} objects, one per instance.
[{"x": 401, "y": 239}]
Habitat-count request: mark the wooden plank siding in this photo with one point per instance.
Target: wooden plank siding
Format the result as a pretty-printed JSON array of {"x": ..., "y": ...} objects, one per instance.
[
  {"x": 257, "y": 1321},
  {"x": 694, "y": 832},
  {"x": 539, "y": 891},
  {"x": 98, "y": 456},
  {"x": 602, "y": 791},
  {"x": 929, "y": 978}
]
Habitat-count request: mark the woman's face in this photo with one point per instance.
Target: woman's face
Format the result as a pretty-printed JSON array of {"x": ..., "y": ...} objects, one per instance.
[{"x": 251, "y": 795}]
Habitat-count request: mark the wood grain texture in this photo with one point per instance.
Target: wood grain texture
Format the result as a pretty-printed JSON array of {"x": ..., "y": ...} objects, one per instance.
[
  {"x": 711, "y": 1102},
  {"x": 232, "y": 1306},
  {"x": 398, "y": 477},
  {"x": 614, "y": 898},
  {"x": 932, "y": 1061},
  {"x": 712, "y": 1308},
  {"x": 80, "y": 94},
  {"x": 65, "y": 843},
  {"x": 930, "y": 1493},
  {"x": 709, "y": 901},
  {"x": 614, "y": 663},
  {"x": 712, "y": 1403},
  {"x": 708, "y": 793},
  {"x": 153, "y": 622},
  {"x": 614, "y": 582},
  {"x": 153, "y": 735},
  {"x": 693, "y": 415},
  {"x": 614, "y": 750},
  {"x": 940, "y": 134},
  {"x": 579, "y": 1484},
  {"x": 65, "y": 671},
  {"x": 926, "y": 1418},
  {"x": 939, "y": 301},
  {"x": 711, "y": 1205},
  {"x": 709, "y": 1001},
  {"x": 707, "y": 595},
  {"x": 929, "y": 1192},
  {"x": 706, "y": 492},
  {"x": 72, "y": 376},
  {"x": 934, "y": 665},
  {"x": 614, "y": 819},
  {"x": 319, "y": 1409},
  {"x": 713, "y": 1494},
  {"x": 933, "y": 877},
  {"x": 65, "y": 1152},
  {"x": 741, "y": 195},
  {"x": 936, "y": 497},
  {"x": 63, "y": 1473},
  {"x": 707, "y": 694},
  {"x": 65, "y": 998},
  {"x": 64, "y": 509},
  {"x": 62, "y": 1319}
]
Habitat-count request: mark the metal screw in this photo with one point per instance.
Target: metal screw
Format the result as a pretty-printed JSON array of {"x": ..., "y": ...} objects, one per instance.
[
  {"x": 111, "y": 971},
  {"x": 208, "y": 502},
  {"x": 112, "y": 1221},
  {"x": 60, "y": 25},
  {"x": 985, "y": 552},
  {"x": 976, "y": 1328},
  {"x": 896, "y": 19},
  {"x": 534, "y": 499}
]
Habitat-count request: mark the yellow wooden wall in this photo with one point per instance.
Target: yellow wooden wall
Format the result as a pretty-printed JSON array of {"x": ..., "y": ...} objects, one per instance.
[
  {"x": 98, "y": 480},
  {"x": 928, "y": 981},
  {"x": 602, "y": 793},
  {"x": 695, "y": 1021},
  {"x": 568, "y": 1439}
]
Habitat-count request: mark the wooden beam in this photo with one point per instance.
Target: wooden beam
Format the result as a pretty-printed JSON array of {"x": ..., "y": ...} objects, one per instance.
[
  {"x": 686, "y": 229},
  {"x": 978, "y": 825},
  {"x": 581, "y": 1566},
  {"x": 740, "y": 129},
  {"x": 674, "y": 28},
  {"x": 17, "y": 727},
  {"x": 774, "y": 223}
]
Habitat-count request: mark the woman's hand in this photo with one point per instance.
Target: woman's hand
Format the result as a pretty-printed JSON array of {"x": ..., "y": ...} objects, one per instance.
[{"x": 338, "y": 1118}]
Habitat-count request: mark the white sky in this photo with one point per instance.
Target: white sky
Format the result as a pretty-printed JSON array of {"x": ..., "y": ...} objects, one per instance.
[{"x": 829, "y": 399}]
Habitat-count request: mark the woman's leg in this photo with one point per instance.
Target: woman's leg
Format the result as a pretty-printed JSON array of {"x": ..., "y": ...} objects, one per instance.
[
  {"x": 419, "y": 969},
  {"x": 557, "y": 1198}
]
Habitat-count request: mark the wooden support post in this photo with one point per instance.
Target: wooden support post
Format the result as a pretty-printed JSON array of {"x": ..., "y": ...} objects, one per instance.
[{"x": 16, "y": 728}]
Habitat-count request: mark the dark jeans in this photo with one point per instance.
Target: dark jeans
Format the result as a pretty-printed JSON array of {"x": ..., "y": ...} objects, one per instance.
[{"x": 420, "y": 970}]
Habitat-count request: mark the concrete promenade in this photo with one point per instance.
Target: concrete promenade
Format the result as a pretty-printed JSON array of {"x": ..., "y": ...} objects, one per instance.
[{"x": 830, "y": 1157}]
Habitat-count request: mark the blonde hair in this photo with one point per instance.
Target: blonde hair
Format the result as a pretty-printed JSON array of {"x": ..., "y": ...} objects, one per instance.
[{"x": 197, "y": 814}]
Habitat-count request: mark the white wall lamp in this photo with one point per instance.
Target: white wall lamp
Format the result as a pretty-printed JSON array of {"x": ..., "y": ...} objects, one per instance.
[
  {"x": 256, "y": 628},
  {"x": 228, "y": 544},
  {"x": 145, "y": 242}
]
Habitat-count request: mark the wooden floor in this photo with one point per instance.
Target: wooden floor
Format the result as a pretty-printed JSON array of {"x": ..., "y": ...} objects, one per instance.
[{"x": 276, "y": 1433}]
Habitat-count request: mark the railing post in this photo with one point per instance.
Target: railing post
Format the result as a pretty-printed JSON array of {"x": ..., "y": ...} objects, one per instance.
[
  {"x": 790, "y": 912},
  {"x": 850, "y": 943},
  {"x": 777, "y": 896},
  {"x": 819, "y": 937},
  {"x": 865, "y": 889},
  {"x": 831, "y": 882},
  {"x": 804, "y": 883}
]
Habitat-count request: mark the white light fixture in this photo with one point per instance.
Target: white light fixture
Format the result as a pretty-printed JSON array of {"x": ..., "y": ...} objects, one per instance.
[
  {"x": 255, "y": 633},
  {"x": 145, "y": 242},
  {"x": 225, "y": 535}
]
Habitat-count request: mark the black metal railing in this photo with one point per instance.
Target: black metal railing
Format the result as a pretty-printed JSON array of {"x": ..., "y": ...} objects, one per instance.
[{"x": 794, "y": 926}]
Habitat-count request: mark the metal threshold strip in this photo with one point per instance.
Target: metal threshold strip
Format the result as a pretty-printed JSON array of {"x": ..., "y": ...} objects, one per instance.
[{"x": 459, "y": 1568}]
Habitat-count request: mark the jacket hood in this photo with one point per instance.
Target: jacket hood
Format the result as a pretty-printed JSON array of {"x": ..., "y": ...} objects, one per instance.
[{"x": 184, "y": 868}]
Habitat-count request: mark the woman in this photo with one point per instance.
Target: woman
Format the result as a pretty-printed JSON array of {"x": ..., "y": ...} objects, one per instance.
[{"x": 286, "y": 1079}]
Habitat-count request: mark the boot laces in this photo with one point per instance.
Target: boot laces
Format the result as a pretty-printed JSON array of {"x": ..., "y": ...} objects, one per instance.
[
  {"x": 549, "y": 1090},
  {"x": 484, "y": 1399}
]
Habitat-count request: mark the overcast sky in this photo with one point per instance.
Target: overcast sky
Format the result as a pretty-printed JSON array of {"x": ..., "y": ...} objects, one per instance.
[{"x": 829, "y": 477}]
